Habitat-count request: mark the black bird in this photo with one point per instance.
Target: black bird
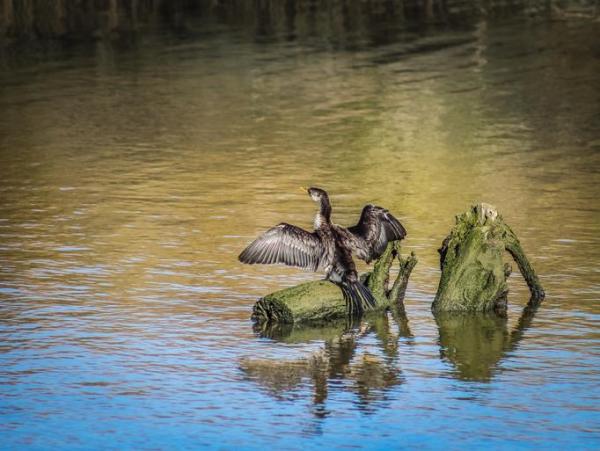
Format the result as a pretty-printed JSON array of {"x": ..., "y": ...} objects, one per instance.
[{"x": 329, "y": 247}]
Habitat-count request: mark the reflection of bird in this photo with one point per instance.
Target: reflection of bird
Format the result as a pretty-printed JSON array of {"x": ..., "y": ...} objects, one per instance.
[
  {"x": 330, "y": 247},
  {"x": 345, "y": 357}
]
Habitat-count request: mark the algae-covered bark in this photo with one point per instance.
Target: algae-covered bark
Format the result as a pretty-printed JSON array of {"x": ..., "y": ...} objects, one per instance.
[
  {"x": 473, "y": 271},
  {"x": 322, "y": 300}
]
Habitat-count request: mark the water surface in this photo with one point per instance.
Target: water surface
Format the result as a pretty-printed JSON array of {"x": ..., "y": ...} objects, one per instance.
[{"x": 131, "y": 176}]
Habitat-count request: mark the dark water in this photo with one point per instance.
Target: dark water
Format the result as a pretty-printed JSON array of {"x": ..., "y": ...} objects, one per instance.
[{"x": 131, "y": 178}]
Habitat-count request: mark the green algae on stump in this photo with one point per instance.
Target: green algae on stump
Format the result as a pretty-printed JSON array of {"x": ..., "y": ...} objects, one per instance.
[
  {"x": 473, "y": 272},
  {"x": 322, "y": 300}
]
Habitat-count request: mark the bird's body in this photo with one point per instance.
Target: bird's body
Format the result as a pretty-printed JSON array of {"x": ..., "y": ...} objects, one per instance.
[{"x": 329, "y": 248}]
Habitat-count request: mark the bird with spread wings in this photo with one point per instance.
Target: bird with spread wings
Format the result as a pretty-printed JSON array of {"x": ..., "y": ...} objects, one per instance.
[{"x": 330, "y": 247}]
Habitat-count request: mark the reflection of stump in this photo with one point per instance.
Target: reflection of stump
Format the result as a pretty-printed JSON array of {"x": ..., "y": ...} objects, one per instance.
[
  {"x": 322, "y": 300},
  {"x": 475, "y": 343},
  {"x": 473, "y": 273}
]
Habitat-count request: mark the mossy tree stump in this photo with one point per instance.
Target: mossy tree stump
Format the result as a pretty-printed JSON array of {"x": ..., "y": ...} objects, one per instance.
[
  {"x": 474, "y": 274},
  {"x": 322, "y": 300}
]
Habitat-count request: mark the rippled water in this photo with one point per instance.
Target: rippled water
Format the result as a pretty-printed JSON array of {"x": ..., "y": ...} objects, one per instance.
[{"x": 131, "y": 177}]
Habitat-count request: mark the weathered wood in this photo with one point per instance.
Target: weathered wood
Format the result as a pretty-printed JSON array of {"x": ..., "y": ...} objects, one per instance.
[
  {"x": 474, "y": 274},
  {"x": 322, "y": 300}
]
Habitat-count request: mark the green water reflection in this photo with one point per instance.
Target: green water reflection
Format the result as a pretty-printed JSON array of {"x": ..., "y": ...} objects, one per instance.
[{"x": 474, "y": 344}]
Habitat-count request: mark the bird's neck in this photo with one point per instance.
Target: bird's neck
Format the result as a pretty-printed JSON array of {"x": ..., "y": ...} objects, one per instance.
[{"x": 323, "y": 217}]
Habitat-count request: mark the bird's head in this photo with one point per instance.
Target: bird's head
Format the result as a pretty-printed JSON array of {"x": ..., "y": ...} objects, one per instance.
[{"x": 316, "y": 194}]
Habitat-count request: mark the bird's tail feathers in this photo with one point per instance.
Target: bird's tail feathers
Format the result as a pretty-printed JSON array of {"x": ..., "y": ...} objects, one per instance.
[
  {"x": 358, "y": 298},
  {"x": 367, "y": 296}
]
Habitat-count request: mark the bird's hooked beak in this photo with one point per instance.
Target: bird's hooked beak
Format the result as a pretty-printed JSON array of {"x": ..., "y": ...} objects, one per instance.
[{"x": 303, "y": 189}]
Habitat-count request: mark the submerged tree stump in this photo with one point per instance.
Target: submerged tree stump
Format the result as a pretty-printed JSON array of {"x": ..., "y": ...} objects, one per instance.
[
  {"x": 322, "y": 300},
  {"x": 473, "y": 272}
]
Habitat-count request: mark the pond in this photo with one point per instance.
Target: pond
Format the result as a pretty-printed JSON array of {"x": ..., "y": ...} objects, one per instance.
[{"x": 132, "y": 175}]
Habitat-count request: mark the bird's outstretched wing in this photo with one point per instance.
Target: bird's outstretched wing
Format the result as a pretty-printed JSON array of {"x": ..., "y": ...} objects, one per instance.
[
  {"x": 285, "y": 244},
  {"x": 377, "y": 227}
]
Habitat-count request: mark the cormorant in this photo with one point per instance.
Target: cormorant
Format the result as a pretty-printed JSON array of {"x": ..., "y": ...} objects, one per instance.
[{"x": 330, "y": 247}]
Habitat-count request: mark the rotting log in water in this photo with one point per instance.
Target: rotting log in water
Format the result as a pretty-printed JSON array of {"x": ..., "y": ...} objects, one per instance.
[
  {"x": 473, "y": 272},
  {"x": 322, "y": 300}
]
